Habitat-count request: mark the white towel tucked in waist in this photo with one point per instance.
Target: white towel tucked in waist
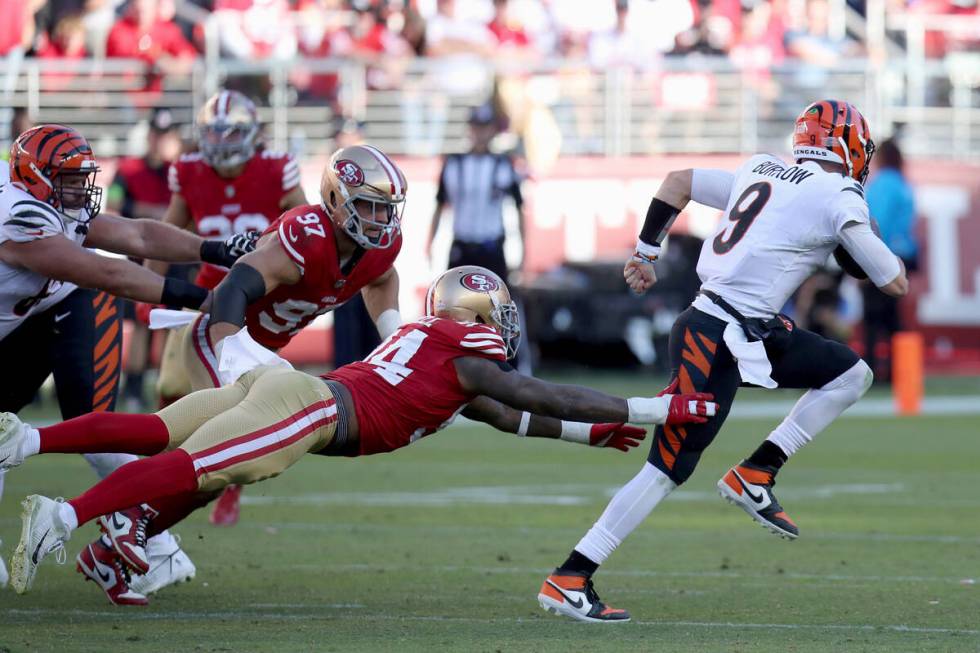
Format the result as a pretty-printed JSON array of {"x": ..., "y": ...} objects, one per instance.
[{"x": 164, "y": 318}]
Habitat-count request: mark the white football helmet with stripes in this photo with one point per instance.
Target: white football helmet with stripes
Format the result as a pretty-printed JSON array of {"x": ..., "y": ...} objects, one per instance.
[
  {"x": 227, "y": 129},
  {"x": 469, "y": 293},
  {"x": 363, "y": 191}
]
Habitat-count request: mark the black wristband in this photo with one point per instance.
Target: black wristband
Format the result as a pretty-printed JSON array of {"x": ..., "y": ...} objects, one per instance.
[
  {"x": 243, "y": 285},
  {"x": 180, "y": 294},
  {"x": 660, "y": 215},
  {"x": 215, "y": 252}
]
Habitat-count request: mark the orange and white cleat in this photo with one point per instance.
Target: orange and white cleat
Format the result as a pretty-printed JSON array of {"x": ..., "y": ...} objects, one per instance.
[
  {"x": 750, "y": 488},
  {"x": 570, "y": 594},
  {"x": 227, "y": 507}
]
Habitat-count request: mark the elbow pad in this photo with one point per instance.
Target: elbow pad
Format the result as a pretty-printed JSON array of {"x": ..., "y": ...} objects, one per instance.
[{"x": 243, "y": 285}]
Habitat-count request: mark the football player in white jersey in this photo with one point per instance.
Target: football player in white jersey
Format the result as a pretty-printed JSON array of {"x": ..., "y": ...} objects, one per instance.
[
  {"x": 56, "y": 311},
  {"x": 781, "y": 222}
]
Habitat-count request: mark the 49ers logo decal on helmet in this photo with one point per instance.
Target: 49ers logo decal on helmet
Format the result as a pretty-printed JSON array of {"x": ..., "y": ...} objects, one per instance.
[
  {"x": 349, "y": 172},
  {"x": 479, "y": 283}
]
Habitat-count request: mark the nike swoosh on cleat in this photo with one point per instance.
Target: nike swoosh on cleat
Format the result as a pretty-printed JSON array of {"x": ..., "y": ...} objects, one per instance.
[
  {"x": 105, "y": 576},
  {"x": 575, "y": 604},
  {"x": 37, "y": 549},
  {"x": 757, "y": 499},
  {"x": 116, "y": 524}
]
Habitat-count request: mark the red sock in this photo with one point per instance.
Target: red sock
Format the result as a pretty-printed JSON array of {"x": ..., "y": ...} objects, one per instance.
[
  {"x": 173, "y": 509},
  {"x": 142, "y": 481},
  {"x": 106, "y": 433}
]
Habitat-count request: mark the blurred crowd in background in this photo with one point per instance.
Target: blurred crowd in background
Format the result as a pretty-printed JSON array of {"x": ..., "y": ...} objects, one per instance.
[{"x": 757, "y": 33}]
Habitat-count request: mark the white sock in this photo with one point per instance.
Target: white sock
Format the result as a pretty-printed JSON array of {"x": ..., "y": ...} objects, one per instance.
[
  {"x": 818, "y": 408},
  {"x": 68, "y": 516},
  {"x": 625, "y": 512},
  {"x": 106, "y": 463},
  {"x": 31, "y": 444}
]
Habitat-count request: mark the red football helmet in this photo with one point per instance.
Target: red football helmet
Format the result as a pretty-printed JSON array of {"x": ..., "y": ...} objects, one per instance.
[
  {"x": 55, "y": 164},
  {"x": 829, "y": 130}
]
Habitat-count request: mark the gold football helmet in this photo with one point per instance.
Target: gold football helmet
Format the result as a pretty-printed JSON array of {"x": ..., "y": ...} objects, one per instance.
[
  {"x": 469, "y": 293},
  {"x": 227, "y": 129},
  {"x": 363, "y": 191}
]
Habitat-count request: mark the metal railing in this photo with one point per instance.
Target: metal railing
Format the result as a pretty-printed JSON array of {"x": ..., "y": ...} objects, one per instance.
[{"x": 682, "y": 105}]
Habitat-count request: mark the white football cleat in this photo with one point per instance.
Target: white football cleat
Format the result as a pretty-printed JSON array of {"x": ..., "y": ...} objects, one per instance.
[
  {"x": 169, "y": 565},
  {"x": 42, "y": 533},
  {"x": 4, "y": 576},
  {"x": 11, "y": 436}
]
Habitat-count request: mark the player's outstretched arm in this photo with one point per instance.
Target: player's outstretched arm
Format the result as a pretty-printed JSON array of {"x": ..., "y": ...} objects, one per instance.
[
  {"x": 157, "y": 240},
  {"x": 504, "y": 418},
  {"x": 254, "y": 275},
  {"x": 381, "y": 300},
  {"x": 58, "y": 258},
  {"x": 500, "y": 381}
]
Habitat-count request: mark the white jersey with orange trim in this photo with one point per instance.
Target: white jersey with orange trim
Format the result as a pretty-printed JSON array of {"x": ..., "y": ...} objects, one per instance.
[
  {"x": 24, "y": 219},
  {"x": 781, "y": 223}
]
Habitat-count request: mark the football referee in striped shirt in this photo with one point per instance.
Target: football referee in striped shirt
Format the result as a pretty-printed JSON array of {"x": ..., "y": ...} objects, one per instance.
[{"x": 475, "y": 185}]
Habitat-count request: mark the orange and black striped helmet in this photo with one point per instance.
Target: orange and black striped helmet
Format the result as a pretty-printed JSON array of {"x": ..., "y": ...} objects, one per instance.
[
  {"x": 55, "y": 164},
  {"x": 830, "y": 130}
]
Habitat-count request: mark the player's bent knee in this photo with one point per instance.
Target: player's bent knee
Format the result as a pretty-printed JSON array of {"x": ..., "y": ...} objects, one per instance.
[{"x": 854, "y": 382}]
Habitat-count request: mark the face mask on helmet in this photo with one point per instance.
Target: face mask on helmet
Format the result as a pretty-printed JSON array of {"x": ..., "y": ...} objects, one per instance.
[
  {"x": 75, "y": 192},
  {"x": 373, "y": 223},
  {"x": 227, "y": 145},
  {"x": 508, "y": 323}
]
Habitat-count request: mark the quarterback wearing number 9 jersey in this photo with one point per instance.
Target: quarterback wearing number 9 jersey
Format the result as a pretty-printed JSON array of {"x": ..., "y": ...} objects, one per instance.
[
  {"x": 419, "y": 378},
  {"x": 781, "y": 222},
  {"x": 311, "y": 260}
]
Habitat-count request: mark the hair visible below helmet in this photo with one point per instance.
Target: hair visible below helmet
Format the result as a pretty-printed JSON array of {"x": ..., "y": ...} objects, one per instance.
[
  {"x": 359, "y": 182},
  {"x": 469, "y": 293},
  {"x": 834, "y": 131},
  {"x": 227, "y": 129},
  {"x": 44, "y": 158}
]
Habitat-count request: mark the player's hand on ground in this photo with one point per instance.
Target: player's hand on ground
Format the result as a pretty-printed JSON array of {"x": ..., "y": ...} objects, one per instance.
[
  {"x": 616, "y": 436},
  {"x": 694, "y": 407},
  {"x": 639, "y": 275}
]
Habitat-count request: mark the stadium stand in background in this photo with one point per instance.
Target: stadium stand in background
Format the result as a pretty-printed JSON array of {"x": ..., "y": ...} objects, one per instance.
[{"x": 603, "y": 92}]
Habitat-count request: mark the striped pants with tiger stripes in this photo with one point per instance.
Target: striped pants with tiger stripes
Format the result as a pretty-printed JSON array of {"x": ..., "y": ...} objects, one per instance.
[{"x": 701, "y": 362}]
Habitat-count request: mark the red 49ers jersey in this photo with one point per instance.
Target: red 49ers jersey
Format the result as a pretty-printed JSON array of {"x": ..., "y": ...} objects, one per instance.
[
  {"x": 407, "y": 388},
  {"x": 306, "y": 234},
  {"x": 221, "y": 207}
]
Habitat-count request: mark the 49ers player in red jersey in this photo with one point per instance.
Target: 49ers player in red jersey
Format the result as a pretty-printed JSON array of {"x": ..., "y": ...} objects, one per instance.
[
  {"x": 231, "y": 184},
  {"x": 255, "y": 428},
  {"x": 312, "y": 259}
]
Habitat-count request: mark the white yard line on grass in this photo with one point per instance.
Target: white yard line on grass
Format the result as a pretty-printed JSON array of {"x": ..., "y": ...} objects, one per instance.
[
  {"x": 355, "y": 527},
  {"x": 628, "y": 573},
  {"x": 289, "y": 616}
]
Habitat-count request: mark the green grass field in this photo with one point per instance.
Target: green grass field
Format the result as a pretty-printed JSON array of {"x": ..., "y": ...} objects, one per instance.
[{"x": 442, "y": 547}]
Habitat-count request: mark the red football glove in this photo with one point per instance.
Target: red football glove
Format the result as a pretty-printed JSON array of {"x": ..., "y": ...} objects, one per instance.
[
  {"x": 617, "y": 436},
  {"x": 695, "y": 407}
]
